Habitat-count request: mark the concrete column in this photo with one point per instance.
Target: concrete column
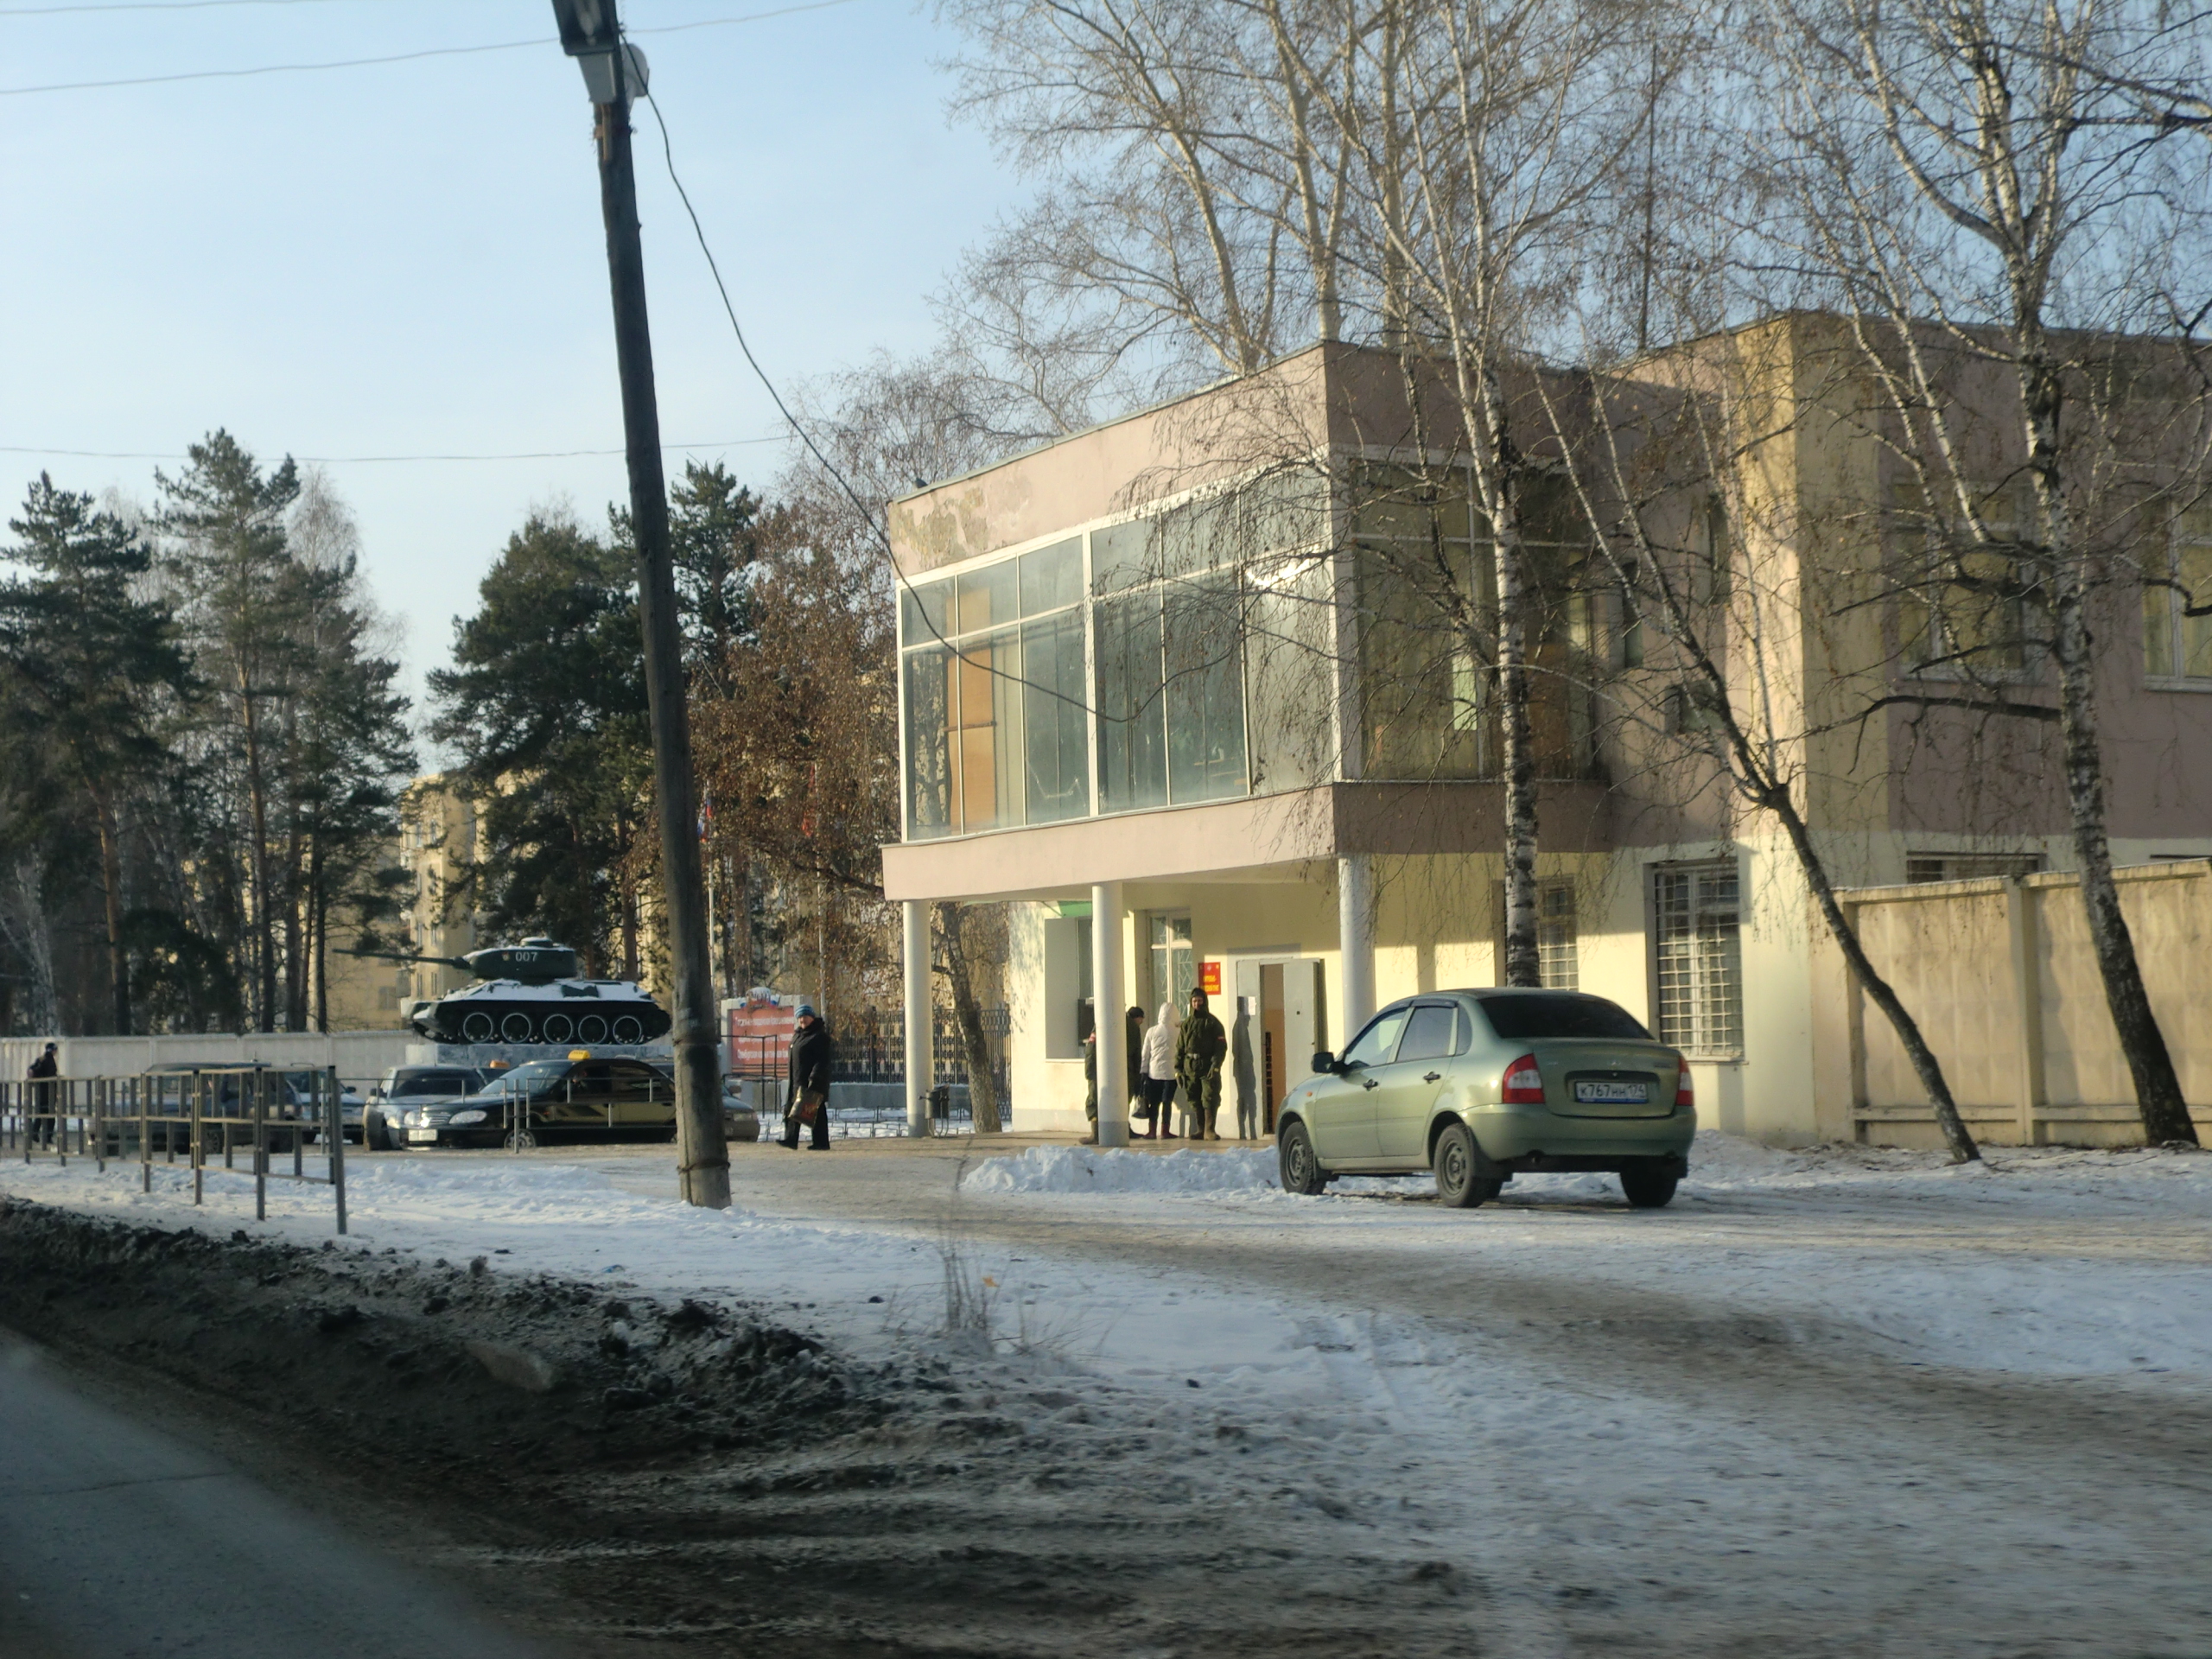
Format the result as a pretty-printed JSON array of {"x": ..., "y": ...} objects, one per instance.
[
  {"x": 1355, "y": 944},
  {"x": 918, "y": 1066},
  {"x": 1107, "y": 1000}
]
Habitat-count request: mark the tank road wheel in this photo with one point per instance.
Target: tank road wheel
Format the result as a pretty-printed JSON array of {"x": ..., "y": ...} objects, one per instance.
[
  {"x": 1459, "y": 1183},
  {"x": 557, "y": 1028},
  {"x": 592, "y": 1028},
  {"x": 478, "y": 1029},
  {"x": 1301, "y": 1170},
  {"x": 628, "y": 1028},
  {"x": 518, "y": 1029}
]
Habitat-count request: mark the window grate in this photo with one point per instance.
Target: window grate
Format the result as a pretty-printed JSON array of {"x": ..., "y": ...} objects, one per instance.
[
  {"x": 1695, "y": 929},
  {"x": 1556, "y": 938}
]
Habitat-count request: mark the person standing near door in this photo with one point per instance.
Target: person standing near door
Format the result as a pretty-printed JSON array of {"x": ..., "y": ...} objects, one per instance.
[
  {"x": 1199, "y": 1054},
  {"x": 1159, "y": 1072},
  {"x": 38, "y": 1122},
  {"x": 808, "y": 1101}
]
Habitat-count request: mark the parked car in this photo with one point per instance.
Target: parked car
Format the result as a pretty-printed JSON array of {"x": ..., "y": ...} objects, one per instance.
[
  {"x": 353, "y": 1111},
  {"x": 1481, "y": 1085},
  {"x": 174, "y": 1086},
  {"x": 413, "y": 1088},
  {"x": 562, "y": 1100}
]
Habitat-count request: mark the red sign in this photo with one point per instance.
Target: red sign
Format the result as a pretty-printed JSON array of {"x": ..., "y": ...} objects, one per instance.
[
  {"x": 760, "y": 1031},
  {"x": 1210, "y": 978}
]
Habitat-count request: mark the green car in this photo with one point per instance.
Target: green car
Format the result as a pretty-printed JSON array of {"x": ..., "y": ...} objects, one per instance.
[{"x": 1481, "y": 1085}]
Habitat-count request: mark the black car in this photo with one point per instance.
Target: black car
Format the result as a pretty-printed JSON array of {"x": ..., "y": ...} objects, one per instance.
[{"x": 556, "y": 1100}]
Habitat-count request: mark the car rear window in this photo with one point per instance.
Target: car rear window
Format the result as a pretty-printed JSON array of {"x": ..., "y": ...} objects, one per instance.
[{"x": 1560, "y": 1014}]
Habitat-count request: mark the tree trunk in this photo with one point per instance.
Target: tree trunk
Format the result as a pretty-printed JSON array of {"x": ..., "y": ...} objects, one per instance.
[
  {"x": 262, "y": 944},
  {"x": 118, "y": 960},
  {"x": 1517, "y": 747},
  {"x": 968, "y": 1016}
]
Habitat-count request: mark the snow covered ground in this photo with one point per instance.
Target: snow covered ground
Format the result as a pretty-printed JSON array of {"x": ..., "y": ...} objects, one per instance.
[{"x": 1878, "y": 1380}]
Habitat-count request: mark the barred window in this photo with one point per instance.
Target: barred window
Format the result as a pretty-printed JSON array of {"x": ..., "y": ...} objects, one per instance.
[
  {"x": 1695, "y": 934},
  {"x": 1555, "y": 936}
]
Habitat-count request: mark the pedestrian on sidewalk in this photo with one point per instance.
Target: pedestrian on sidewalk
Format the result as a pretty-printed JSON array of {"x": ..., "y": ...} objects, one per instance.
[
  {"x": 1199, "y": 1054},
  {"x": 1132, "y": 1079},
  {"x": 38, "y": 1122},
  {"x": 806, "y": 1100},
  {"x": 1159, "y": 1072},
  {"x": 1090, "y": 1085}
]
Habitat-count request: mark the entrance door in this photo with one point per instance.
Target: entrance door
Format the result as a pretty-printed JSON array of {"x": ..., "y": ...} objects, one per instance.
[{"x": 1284, "y": 996}]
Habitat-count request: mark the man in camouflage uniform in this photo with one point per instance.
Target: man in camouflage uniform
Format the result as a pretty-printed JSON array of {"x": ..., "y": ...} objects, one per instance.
[{"x": 1199, "y": 1050}]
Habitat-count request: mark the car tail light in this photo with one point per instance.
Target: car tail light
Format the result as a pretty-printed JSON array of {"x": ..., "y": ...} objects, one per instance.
[
  {"x": 1685, "y": 1096},
  {"x": 1522, "y": 1084}
]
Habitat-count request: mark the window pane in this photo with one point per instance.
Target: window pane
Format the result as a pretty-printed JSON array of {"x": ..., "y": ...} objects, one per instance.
[
  {"x": 1375, "y": 1046},
  {"x": 985, "y": 598},
  {"x": 922, "y": 607},
  {"x": 1058, "y": 783},
  {"x": 1132, "y": 722},
  {"x": 927, "y": 693},
  {"x": 1428, "y": 1035},
  {"x": 2194, "y": 568},
  {"x": 1204, "y": 692},
  {"x": 1121, "y": 556},
  {"x": 1556, "y": 938},
  {"x": 1412, "y": 662},
  {"x": 1700, "y": 968},
  {"x": 1289, "y": 673},
  {"x": 986, "y": 751},
  {"x": 1052, "y": 577}
]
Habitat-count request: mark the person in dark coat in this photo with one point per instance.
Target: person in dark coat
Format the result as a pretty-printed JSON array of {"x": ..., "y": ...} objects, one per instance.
[
  {"x": 38, "y": 1123},
  {"x": 809, "y": 1081},
  {"x": 1133, "y": 1077},
  {"x": 1199, "y": 1050},
  {"x": 1090, "y": 1086}
]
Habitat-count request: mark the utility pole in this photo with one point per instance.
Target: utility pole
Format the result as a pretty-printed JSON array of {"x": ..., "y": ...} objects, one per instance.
[{"x": 591, "y": 33}]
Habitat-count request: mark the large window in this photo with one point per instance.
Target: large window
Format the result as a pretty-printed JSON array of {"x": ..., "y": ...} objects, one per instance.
[
  {"x": 2177, "y": 646},
  {"x": 1696, "y": 936},
  {"x": 1174, "y": 965},
  {"x": 1968, "y": 615},
  {"x": 1170, "y": 625},
  {"x": 992, "y": 675},
  {"x": 1428, "y": 619}
]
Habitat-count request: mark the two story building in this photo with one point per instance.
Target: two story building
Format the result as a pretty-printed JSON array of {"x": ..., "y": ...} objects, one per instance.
[{"x": 1185, "y": 690}]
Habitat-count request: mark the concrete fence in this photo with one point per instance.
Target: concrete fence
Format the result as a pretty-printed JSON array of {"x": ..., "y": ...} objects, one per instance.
[
  {"x": 2000, "y": 976},
  {"x": 361, "y": 1058}
]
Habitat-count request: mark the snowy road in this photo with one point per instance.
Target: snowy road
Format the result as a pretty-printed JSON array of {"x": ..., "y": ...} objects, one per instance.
[{"x": 1841, "y": 1403}]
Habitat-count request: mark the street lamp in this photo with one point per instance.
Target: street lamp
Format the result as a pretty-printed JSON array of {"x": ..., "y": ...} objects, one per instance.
[{"x": 591, "y": 33}]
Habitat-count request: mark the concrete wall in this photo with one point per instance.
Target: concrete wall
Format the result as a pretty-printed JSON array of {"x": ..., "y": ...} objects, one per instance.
[
  {"x": 2000, "y": 977},
  {"x": 361, "y": 1057}
]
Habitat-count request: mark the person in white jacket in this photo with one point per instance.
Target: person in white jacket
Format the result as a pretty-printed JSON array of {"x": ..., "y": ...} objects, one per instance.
[{"x": 1159, "y": 1072}]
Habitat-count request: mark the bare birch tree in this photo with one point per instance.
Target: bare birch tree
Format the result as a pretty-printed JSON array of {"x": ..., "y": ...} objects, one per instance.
[{"x": 1976, "y": 184}]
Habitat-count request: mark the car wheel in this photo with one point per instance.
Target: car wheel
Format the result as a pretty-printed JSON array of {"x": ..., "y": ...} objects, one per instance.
[
  {"x": 1648, "y": 1188},
  {"x": 1459, "y": 1162},
  {"x": 520, "y": 1140},
  {"x": 1301, "y": 1170}
]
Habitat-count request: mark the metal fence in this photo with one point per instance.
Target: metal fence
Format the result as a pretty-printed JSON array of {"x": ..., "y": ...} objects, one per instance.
[
  {"x": 256, "y": 1112},
  {"x": 871, "y": 1047}
]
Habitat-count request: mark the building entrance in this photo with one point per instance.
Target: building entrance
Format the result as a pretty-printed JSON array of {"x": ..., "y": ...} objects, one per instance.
[{"x": 1278, "y": 1005}]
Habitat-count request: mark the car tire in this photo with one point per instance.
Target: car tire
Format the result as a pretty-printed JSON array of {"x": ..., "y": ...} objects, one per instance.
[
  {"x": 1459, "y": 1163},
  {"x": 1650, "y": 1188},
  {"x": 1301, "y": 1170},
  {"x": 520, "y": 1140}
]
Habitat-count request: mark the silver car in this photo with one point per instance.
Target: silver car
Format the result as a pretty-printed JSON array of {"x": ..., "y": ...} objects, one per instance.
[{"x": 1480, "y": 1085}]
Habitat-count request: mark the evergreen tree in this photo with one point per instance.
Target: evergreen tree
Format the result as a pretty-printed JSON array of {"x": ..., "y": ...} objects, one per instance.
[{"x": 91, "y": 661}]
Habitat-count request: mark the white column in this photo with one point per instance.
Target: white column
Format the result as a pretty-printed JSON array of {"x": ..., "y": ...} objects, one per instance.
[
  {"x": 918, "y": 1066},
  {"x": 1107, "y": 1002},
  {"x": 1355, "y": 944}
]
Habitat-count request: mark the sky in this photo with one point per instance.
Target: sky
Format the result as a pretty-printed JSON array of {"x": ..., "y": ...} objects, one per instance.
[{"x": 407, "y": 258}]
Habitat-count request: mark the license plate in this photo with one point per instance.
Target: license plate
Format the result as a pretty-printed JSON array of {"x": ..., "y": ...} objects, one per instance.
[
  {"x": 421, "y": 1135},
  {"x": 1603, "y": 1093}
]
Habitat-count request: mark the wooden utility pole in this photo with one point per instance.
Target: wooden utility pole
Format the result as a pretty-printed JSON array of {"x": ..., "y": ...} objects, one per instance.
[{"x": 703, "y": 1154}]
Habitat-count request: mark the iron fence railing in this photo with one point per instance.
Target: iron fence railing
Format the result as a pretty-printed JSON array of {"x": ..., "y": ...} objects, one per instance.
[{"x": 201, "y": 1111}]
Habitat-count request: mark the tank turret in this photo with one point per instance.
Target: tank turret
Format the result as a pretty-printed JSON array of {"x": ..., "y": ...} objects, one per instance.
[{"x": 531, "y": 993}]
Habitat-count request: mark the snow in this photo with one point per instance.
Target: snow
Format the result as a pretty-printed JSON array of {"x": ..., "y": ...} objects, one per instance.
[{"x": 1366, "y": 1333}]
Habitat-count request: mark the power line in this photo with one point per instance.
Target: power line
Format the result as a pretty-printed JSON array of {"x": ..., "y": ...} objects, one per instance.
[
  {"x": 395, "y": 57},
  {"x": 148, "y": 5},
  {"x": 366, "y": 461}
]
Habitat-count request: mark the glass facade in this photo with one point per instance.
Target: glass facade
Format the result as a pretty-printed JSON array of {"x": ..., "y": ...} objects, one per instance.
[{"x": 1193, "y": 655}]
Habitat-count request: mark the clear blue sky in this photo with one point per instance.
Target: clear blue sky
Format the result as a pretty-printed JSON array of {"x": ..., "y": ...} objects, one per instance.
[{"x": 408, "y": 259}]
